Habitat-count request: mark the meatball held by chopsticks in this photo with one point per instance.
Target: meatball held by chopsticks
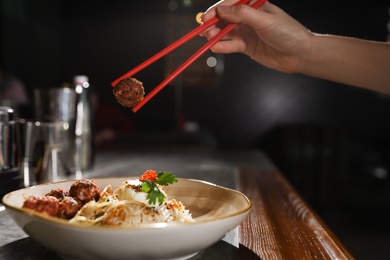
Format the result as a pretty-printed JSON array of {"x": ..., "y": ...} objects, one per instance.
[{"x": 129, "y": 91}]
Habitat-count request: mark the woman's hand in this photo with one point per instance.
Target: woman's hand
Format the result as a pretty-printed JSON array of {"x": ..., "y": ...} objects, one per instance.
[{"x": 268, "y": 35}]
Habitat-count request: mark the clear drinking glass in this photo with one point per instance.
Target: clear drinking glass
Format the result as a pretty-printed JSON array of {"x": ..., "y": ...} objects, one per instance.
[{"x": 44, "y": 159}]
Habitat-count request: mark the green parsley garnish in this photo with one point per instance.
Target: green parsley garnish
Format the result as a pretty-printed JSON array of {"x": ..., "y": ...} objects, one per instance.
[{"x": 154, "y": 193}]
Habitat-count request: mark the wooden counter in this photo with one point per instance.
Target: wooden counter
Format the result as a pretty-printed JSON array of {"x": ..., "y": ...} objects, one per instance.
[{"x": 281, "y": 225}]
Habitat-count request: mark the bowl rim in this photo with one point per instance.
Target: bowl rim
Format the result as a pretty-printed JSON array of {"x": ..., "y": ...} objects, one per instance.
[{"x": 159, "y": 225}]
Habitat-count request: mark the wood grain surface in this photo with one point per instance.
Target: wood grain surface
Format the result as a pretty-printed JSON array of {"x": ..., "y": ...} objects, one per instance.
[{"x": 281, "y": 225}]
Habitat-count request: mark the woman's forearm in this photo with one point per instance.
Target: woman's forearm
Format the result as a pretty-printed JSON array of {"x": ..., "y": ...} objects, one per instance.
[{"x": 350, "y": 61}]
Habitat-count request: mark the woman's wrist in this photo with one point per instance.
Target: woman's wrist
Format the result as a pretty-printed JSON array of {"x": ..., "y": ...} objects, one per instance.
[{"x": 312, "y": 54}]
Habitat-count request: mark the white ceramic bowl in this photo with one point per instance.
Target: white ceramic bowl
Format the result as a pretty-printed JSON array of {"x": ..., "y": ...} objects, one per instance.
[{"x": 217, "y": 210}]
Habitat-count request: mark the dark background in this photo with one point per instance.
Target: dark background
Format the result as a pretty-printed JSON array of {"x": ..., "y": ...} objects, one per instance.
[
  {"x": 332, "y": 141},
  {"x": 45, "y": 43}
]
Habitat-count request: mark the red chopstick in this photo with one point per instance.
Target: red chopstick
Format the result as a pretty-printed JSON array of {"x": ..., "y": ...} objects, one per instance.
[
  {"x": 189, "y": 61},
  {"x": 171, "y": 47}
]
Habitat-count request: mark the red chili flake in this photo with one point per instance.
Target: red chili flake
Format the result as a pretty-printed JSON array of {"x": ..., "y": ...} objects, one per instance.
[{"x": 150, "y": 175}]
